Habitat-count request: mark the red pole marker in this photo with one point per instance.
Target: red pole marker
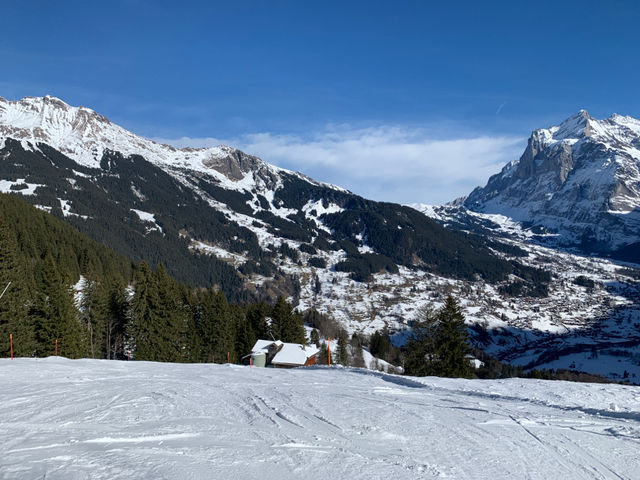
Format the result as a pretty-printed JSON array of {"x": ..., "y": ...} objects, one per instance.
[
  {"x": 329, "y": 351},
  {"x": 11, "y": 344},
  {"x": 56, "y": 347},
  {"x": 228, "y": 361},
  {"x": 129, "y": 355},
  {"x": 250, "y": 361}
]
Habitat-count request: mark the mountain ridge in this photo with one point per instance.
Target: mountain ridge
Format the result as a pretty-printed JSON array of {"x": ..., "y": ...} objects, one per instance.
[{"x": 84, "y": 136}]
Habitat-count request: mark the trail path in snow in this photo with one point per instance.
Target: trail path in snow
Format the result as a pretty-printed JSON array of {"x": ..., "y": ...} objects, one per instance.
[{"x": 89, "y": 419}]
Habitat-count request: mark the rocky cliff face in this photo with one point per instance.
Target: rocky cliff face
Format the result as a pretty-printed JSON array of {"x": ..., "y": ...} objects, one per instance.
[{"x": 578, "y": 181}]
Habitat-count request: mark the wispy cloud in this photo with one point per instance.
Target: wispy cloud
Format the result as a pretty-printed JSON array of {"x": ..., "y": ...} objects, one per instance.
[{"x": 390, "y": 163}]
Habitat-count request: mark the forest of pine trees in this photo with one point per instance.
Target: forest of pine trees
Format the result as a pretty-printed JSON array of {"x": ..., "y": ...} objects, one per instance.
[{"x": 159, "y": 319}]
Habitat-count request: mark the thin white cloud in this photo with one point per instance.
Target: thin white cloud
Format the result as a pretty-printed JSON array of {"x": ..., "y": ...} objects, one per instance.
[{"x": 389, "y": 163}]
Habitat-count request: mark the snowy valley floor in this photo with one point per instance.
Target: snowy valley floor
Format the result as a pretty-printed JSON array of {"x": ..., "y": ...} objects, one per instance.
[{"x": 89, "y": 419}]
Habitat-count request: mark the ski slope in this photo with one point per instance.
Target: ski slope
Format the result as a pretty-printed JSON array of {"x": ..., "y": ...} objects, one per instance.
[{"x": 91, "y": 419}]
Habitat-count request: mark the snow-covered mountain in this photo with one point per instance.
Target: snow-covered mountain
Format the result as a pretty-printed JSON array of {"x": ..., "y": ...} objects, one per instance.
[
  {"x": 220, "y": 217},
  {"x": 579, "y": 181},
  {"x": 85, "y": 136},
  {"x": 220, "y": 201},
  {"x": 120, "y": 420}
]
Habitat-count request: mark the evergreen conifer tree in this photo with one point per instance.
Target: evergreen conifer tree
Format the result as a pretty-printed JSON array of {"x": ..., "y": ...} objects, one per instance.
[
  {"x": 115, "y": 329},
  {"x": 421, "y": 355},
  {"x": 256, "y": 315},
  {"x": 286, "y": 325},
  {"x": 357, "y": 359},
  {"x": 314, "y": 337},
  {"x": 95, "y": 309},
  {"x": 145, "y": 324},
  {"x": 172, "y": 317},
  {"x": 245, "y": 337},
  {"x": 56, "y": 317},
  {"x": 216, "y": 327},
  {"x": 439, "y": 343},
  {"x": 323, "y": 356},
  {"x": 452, "y": 342},
  {"x": 342, "y": 354},
  {"x": 14, "y": 304}
]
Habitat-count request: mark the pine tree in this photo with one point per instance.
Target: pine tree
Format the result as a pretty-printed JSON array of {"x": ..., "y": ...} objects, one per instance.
[
  {"x": 56, "y": 317},
  {"x": 245, "y": 337},
  {"x": 439, "y": 343},
  {"x": 323, "y": 356},
  {"x": 342, "y": 354},
  {"x": 95, "y": 309},
  {"x": 357, "y": 359},
  {"x": 172, "y": 317},
  {"x": 421, "y": 355},
  {"x": 115, "y": 327},
  {"x": 452, "y": 342},
  {"x": 15, "y": 303},
  {"x": 256, "y": 315},
  {"x": 314, "y": 337},
  {"x": 286, "y": 325},
  {"x": 379, "y": 344},
  {"x": 145, "y": 325},
  {"x": 216, "y": 327}
]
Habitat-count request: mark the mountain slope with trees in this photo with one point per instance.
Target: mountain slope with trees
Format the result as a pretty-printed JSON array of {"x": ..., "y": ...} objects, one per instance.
[{"x": 216, "y": 217}]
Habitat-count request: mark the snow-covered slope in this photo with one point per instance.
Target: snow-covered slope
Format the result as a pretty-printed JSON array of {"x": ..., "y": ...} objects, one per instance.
[
  {"x": 579, "y": 179},
  {"x": 91, "y": 419}
]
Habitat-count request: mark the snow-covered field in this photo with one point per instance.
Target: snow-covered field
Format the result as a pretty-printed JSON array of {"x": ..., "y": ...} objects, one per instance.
[{"x": 63, "y": 419}]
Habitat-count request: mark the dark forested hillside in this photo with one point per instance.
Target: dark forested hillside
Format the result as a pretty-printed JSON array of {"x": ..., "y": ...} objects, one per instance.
[
  {"x": 164, "y": 320},
  {"x": 38, "y": 234},
  {"x": 40, "y": 258},
  {"x": 102, "y": 201}
]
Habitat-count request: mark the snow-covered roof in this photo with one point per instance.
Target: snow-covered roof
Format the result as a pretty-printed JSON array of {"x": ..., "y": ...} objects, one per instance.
[
  {"x": 262, "y": 346},
  {"x": 294, "y": 354},
  {"x": 288, "y": 353}
]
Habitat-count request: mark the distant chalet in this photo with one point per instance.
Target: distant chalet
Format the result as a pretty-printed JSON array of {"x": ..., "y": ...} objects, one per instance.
[{"x": 278, "y": 354}]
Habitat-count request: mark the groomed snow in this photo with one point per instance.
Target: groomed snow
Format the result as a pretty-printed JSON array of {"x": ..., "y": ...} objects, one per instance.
[{"x": 93, "y": 419}]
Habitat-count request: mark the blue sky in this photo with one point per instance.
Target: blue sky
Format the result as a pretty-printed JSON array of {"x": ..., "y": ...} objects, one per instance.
[{"x": 401, "y": 101}]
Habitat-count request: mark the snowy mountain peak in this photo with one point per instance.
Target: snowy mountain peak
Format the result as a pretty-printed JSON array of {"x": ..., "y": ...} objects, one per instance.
[
  {"x": 85, "y": 135},
  {"x": 576, "y": 126},
  {"x": 579, "y": 179}
]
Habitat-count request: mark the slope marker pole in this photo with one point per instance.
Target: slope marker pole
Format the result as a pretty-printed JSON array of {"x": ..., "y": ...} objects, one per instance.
[
  {"x": 329, "y": 352},
  {"x": 56, "y": 347},
  {"x": 11, "y": 344}
]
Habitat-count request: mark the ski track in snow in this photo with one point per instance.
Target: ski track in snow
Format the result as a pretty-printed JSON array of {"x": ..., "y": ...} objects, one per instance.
[{"x": 82, "y": 419}]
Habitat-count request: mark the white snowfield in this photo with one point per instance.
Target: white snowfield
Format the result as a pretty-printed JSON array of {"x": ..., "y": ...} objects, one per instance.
[{"x": 90, "y": 419}]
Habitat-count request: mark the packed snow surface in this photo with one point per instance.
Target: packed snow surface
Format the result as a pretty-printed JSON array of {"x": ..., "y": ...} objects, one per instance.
[{"x": 64, "y": 419}]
